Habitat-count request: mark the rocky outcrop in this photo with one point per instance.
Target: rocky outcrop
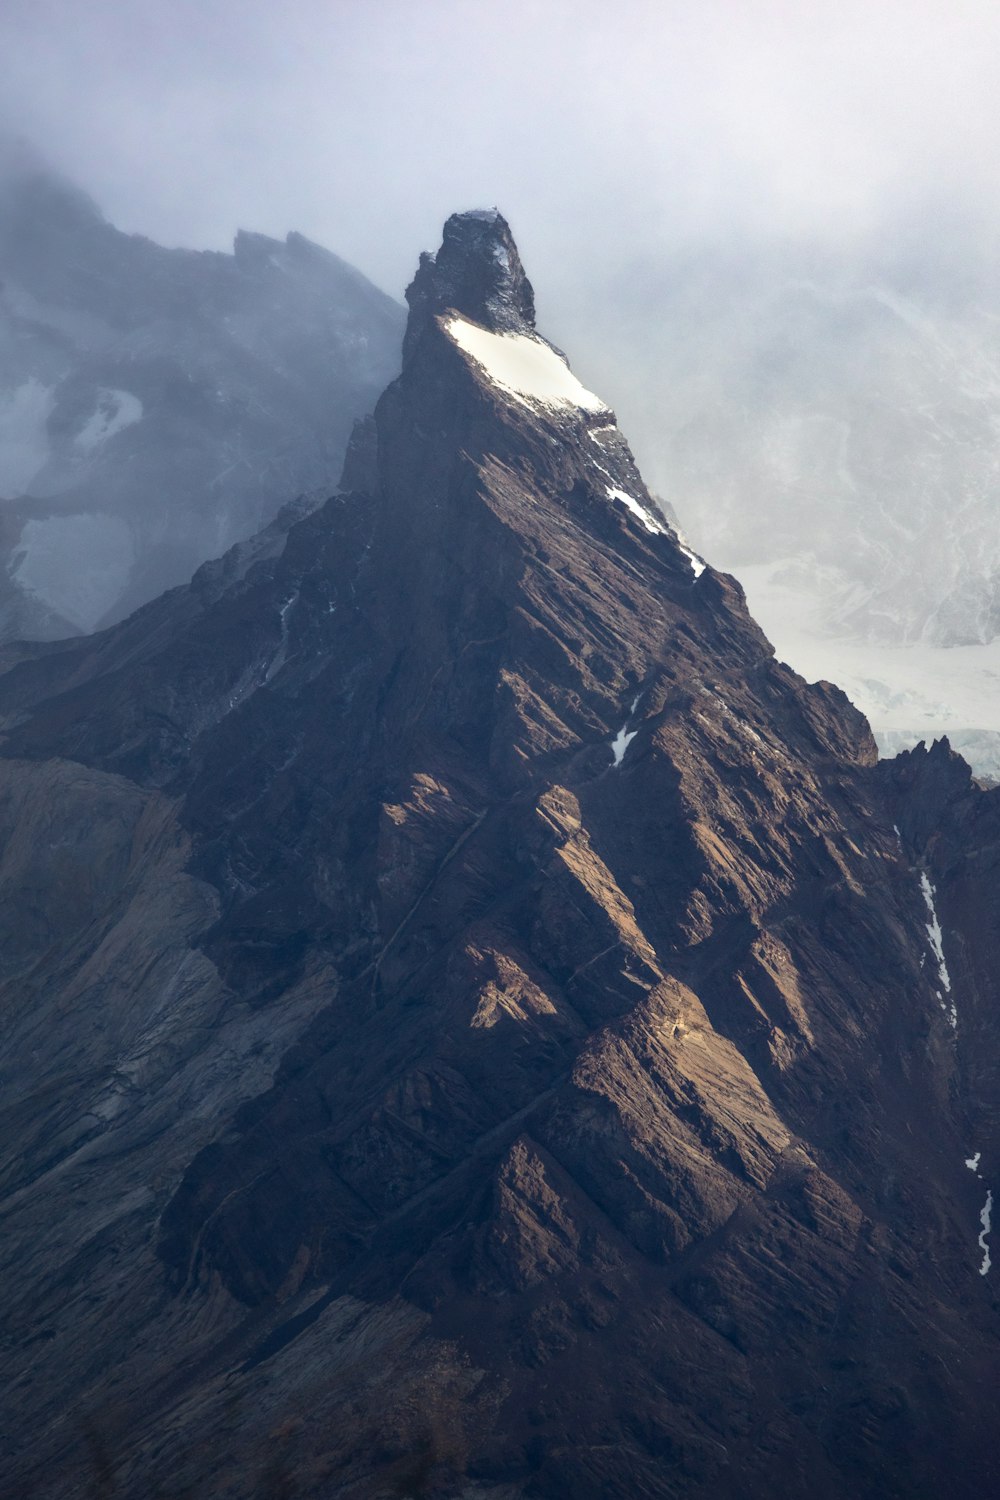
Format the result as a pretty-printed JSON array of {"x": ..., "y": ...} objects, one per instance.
[{"x": 528, "y": 1065}]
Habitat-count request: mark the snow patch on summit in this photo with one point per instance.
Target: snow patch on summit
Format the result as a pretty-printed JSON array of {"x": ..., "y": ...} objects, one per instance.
[{"x": 523, "y": 366}]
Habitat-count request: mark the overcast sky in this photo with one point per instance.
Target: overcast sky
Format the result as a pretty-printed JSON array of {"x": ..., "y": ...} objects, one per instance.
[
  {"x": 612, "y": 135},
  {"x": 675, "y": 173},
  {"x": 603, "y": 131}
]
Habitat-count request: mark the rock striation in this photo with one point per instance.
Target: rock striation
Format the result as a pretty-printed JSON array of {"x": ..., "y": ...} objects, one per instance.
[{"x": 469, "y": 1019}]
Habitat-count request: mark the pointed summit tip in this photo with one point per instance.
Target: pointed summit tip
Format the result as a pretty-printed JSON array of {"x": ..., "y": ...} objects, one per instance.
[{"x": 476, "y": 272}]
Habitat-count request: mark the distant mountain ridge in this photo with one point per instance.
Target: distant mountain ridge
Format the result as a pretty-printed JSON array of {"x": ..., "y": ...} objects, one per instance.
[{"x": 158, "y": 405}]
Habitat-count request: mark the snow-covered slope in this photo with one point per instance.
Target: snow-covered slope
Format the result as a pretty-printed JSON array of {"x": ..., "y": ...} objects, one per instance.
[{"x": 157, "y": 405}]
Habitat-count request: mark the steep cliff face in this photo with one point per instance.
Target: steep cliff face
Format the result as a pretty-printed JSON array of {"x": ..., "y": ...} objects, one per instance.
[{"x": 499, "y": 1045}]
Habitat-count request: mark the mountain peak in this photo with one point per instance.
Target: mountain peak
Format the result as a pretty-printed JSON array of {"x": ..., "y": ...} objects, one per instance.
[
  {"x": 476, "y": 272},
  {"x": 508, "y": 1003}
]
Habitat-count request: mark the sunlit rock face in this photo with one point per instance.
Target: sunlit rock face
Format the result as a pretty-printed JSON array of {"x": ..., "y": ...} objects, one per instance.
[
  {"x": 474, "y": 1023},
  {"x": 158, "y": 405}
]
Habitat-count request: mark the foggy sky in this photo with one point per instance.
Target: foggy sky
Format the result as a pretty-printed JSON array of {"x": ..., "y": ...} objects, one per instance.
[
  {"x": 611, "y": 136},
  {"x": 602, "y": 131}
]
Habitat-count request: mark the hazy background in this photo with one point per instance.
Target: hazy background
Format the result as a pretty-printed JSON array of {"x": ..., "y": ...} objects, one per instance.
[
  {"x": 612, "y": 136},
  {"x": 766, "y": 231},
  {"x": 605, "y": 133}
]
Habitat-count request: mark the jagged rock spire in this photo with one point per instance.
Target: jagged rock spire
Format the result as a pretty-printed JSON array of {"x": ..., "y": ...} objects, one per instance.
[{"x": 478, "y": 272}]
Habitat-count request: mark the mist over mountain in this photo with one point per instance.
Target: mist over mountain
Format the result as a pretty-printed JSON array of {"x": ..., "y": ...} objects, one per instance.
[
  {"x": 821, "y": 416},
  {"x": 473, "y": 1021},
  {"x": 158, "y": 405},
  {"x": 488, "y": 1008},
  {"x": 826, "y": 423}
]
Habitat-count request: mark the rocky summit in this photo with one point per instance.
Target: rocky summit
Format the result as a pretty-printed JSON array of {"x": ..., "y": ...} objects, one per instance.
[{"x": 476, "y": 1024}]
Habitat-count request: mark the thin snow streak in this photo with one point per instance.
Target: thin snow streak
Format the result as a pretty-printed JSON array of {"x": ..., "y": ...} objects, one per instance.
[{"x": 934, "y": 937}]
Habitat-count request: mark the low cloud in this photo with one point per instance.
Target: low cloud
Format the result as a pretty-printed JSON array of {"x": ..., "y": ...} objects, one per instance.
[{"x": 604, "y": 132}]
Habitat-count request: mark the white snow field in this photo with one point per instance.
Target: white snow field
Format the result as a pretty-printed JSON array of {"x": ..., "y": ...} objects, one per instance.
[
  {"x": 523, "y": 367},
  {"x": 620, "y": 744},
  {"x": 630, "y": 503},
  {"x": 935, "y": 939}
]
